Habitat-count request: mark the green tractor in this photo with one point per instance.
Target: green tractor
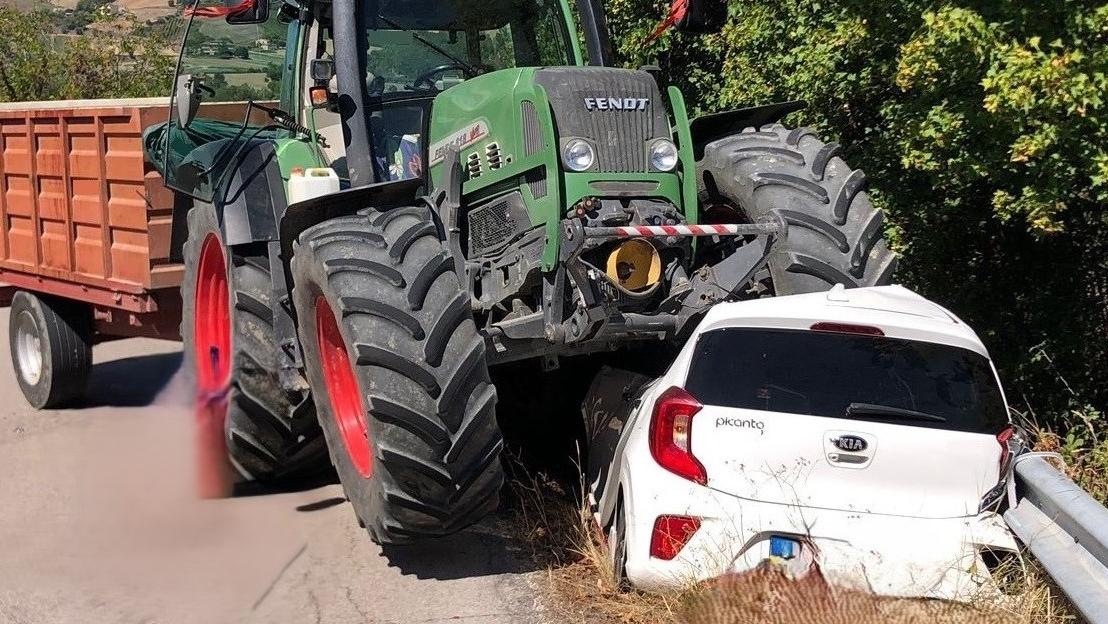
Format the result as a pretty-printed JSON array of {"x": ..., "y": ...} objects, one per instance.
[{"x": 483, "y": 197}]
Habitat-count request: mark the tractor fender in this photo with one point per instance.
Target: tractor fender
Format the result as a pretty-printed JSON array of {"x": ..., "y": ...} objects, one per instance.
[
  {"x": 715, "y": 126},
  {"x": 252, "y": 200},
  {"x": 249, "y": 200}
]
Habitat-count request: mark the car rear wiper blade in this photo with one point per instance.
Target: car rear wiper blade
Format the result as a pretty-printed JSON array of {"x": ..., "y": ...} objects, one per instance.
[{"x": 870, "y": 409}]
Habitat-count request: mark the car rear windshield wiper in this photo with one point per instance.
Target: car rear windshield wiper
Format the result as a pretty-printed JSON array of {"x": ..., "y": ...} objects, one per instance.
[
  {"x": 870, "y": 409},
  {"x": 427, "y": 42}
]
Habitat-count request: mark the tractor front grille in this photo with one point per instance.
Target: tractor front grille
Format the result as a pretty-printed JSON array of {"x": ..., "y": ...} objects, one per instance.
[
  {"x": 622, "y": 135},
  {"x": 492, "y": 225}
]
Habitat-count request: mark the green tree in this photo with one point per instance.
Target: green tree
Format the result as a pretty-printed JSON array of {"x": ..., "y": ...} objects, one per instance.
[
  {"x": 983, "y": 128},
  {"x": 111, "y": 60}
]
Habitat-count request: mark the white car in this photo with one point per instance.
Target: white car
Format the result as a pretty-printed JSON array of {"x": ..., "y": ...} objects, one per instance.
[{"x": 864, "y": 431}]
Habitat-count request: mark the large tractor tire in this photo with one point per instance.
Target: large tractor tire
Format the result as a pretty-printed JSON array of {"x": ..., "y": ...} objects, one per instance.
[
  {"x": 229, "y": 347},
  {"x": 835, "y": 234},
  {"x": 390, "y": 341}
]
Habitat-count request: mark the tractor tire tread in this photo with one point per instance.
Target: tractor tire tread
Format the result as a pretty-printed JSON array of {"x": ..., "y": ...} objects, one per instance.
[
  {"x": 421, "y": 367},
  {"x": 271, "y": 434},
  {"x": 835, "y": 233}
]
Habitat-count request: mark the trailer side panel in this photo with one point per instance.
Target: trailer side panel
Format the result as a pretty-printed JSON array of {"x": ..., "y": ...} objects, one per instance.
[{"x": 78, "y": 202}]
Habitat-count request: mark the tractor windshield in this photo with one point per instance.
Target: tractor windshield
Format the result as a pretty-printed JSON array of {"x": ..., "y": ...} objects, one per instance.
[{"x": 430, "y": 45}]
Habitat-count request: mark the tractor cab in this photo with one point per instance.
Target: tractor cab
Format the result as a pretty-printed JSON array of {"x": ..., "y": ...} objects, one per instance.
[
  {"x": 242, "y": 60},
  {"x": 415, "y": 51}
]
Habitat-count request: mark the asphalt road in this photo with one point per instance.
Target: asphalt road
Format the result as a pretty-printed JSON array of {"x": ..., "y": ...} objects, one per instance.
[{"x": 99, "y": 524}]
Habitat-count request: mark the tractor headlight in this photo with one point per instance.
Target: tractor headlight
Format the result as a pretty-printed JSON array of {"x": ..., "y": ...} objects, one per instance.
[
  {"x": 578, "y": 155},
  {"x": 663, "y": 155}
]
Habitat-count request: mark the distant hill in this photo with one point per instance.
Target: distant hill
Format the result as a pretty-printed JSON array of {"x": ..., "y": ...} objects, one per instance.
[
  {"x": 143, "y": 9},
  {"x": 24, "y": 5}
]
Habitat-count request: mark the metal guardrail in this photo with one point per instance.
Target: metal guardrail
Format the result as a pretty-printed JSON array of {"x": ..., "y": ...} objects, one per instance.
[{"x": 1066, "y": 529}]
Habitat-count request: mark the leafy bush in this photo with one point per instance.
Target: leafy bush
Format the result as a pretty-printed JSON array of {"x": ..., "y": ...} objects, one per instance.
[
  {"x": 983, "y": 127},
  {"x": 114, "y": 57}
]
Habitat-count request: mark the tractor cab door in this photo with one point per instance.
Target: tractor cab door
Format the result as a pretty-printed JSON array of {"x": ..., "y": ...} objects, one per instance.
[
  {"x": 398, "y": 117},
  {"x": 225, "y": 64},
  {"x": 396, "y": 123}
]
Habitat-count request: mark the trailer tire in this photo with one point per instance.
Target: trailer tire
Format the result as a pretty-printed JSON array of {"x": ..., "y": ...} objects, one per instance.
[
  {"x": 835, "y": 233},
  {"x": 51, "y": 347},
  {"x": 268, "y": 433},
  {"x": 389, "y": 338}
]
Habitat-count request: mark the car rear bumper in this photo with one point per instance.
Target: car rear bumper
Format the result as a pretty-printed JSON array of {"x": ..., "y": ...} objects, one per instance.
[{"x": 887, "y": 555}]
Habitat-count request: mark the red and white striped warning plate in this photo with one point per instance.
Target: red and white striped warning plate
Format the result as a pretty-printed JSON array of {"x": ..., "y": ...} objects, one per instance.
[
  {"x": 674, "y": 230},
  {"x": 680, "y": 230},
  {"x": 647, "y": 231}
]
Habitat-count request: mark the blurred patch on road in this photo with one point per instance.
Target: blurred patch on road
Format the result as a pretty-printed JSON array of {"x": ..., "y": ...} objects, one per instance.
[{"x": 99, "y": 524}]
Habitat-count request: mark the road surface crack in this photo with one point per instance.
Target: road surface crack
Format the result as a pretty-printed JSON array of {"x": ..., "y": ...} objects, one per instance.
[{"x": 281, "y": 573}]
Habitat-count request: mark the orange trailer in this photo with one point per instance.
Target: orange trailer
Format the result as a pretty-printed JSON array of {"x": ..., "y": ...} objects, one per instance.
[{"x": 85, "y": 236}]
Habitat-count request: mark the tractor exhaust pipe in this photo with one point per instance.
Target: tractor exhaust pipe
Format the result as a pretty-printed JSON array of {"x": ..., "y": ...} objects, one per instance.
[{"x": 595, "y": 25}]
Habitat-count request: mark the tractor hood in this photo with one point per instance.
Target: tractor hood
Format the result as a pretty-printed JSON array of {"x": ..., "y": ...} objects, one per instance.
[
  {"x": 529, "y": 114},
  {"x": 508, "y": 130},
  {"x": 620, "y": 111}
]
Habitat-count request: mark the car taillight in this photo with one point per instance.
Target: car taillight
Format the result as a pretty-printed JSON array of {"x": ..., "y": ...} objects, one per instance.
[
  {"x": 1005, "y": 449},
  {"x": 992, "y": 499},
  {"x": 671, "y": 434},
  {"x": 670, "y": 535},
  {"x": 847, "y": 328}
]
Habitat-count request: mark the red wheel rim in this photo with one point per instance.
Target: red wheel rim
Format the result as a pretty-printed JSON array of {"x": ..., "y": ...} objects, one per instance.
[
  {"x": 342, "y": 389},
  {"x": 211, "y": 343},
  {"x": 211, "y": 330}
]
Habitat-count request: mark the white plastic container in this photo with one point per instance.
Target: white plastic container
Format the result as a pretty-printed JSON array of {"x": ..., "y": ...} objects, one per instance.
[{"x": 305, "y": 184}]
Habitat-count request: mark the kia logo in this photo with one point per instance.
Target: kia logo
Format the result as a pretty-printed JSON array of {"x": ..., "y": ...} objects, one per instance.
[{"x": 850, "y": 443}]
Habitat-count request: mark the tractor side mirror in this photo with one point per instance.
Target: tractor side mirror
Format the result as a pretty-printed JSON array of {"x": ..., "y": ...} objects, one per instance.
[
  {"x": 249, "y": 12},
  {"x": 187, "y": 101},
  {"x": 323, "y": 70},
  {"x": 700, "y": 17}
]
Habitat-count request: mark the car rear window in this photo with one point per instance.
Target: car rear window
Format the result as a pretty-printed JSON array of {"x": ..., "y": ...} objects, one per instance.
[{"x": 822, "y": 374}]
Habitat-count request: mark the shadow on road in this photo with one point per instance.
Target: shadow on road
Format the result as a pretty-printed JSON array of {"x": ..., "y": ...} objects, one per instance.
[
  {"x": 306, "y": 483},
  {"x": 488, "y": 548},
  {"x": 131, "y": 382},
  {"x": 322, "y": 504}
]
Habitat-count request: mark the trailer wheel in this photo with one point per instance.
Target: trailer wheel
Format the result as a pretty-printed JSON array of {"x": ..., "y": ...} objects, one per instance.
[
  {"x": 227, "y": 327},
  {"x": 51, "y": 346},
  {"x": 835, "y": 233},
  {"x": 389, "y": 339}
]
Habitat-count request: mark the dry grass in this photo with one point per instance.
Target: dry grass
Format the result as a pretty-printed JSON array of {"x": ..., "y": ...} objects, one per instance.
[
  {"x": 767, "y": 596},
  {"x": 566, "y": 542}
]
